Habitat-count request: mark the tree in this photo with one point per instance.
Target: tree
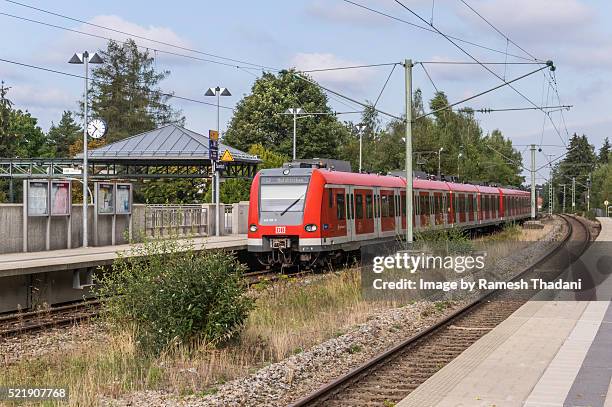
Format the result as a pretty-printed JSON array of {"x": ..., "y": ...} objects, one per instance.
[
  {"x": 604, "y": 152},
  {"x": 6, "y": 106},
  {"x": 578, "y": 163},
  {"x": 125, "y": 92},
  {"x": 258, "y": 119},
  {"x": 29, "y": 139},
  {"x": 61, "y": 136}
]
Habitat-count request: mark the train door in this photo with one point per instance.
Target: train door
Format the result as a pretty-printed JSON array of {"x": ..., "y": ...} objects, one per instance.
[
  {"x": 364, "y": 213},
  {"x": 387, "y": 212},
  {"x": 438, "y": 209},
  {"x": 350, "y": 212},
  {"x": 398, "y": 212},
  {"x": 424, "y": 209}
]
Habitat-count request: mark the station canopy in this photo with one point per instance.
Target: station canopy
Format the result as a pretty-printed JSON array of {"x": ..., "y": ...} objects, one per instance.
[{"x": 170, "y": 151}]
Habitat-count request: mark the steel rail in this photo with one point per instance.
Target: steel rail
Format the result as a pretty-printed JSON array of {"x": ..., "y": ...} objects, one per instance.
[{"x": 345, "y": 380}]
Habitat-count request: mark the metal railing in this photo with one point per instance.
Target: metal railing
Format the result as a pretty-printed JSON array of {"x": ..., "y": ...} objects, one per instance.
[{"x": 182, "y": 220}]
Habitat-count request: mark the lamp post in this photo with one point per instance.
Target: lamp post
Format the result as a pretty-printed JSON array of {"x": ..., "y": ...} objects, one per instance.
[
  {"x": 360, "y": 127},
  {"x": 85, "y": 58},
  {"x": 218, "y": 92},
  {"x": 439, "y": 162},
  {"x": 458, "y": 161},
  {"x": 295, "y": 112}
]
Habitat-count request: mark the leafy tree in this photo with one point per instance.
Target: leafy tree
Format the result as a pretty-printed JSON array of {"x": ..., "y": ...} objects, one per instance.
[
  {"x": 30, "y": 140},
  {"x": 61, "y": 136},
  {"x": 6, "y": 139},
  {"x": 578, "y": 163},
  {"x": 258, "y": 119},
  {"x": 604, "y": 152},
  {"x": 125, "y": 92},
  {"x": 602, "y": 186}
]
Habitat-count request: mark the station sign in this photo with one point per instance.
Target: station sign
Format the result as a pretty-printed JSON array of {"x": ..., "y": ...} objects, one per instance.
[{"x": 213, "y": 145}]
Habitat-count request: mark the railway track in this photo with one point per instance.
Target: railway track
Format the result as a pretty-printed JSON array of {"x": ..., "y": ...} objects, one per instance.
[
  {"x": 66, "y": 315},
  {"x": 33, "y": 321},
  {"x": 392, "y": 375}
]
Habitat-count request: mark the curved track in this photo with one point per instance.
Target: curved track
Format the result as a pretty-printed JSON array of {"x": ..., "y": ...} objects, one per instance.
[{"x": 391, "y": 376}]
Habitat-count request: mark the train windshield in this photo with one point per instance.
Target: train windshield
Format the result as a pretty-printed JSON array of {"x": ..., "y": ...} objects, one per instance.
[{"x": 283, "y": 194}]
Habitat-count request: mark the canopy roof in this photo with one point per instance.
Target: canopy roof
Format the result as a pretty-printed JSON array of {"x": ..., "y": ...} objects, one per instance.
[{"x": 169, "y": 143}]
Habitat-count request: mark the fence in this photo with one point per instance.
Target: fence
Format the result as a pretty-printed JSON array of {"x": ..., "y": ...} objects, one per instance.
[{"x": 164, "y": 220}]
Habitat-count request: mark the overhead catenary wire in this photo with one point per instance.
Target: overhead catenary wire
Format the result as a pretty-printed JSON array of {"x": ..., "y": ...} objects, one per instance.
[
  {"x": 513, "y": 109},
  {"x": 429, "y": 77},
  {"x": 161, "y": 93},
  {"x": 136, "y": 35},
  {"x": 548, "y": 63},
  {"x": 392, "y": 17},
  {"x": 155, "y": 50},
  {"x": 385, "y": 85},
  {"x": 509, "y": 40},
  {"x": 506, "y": 83}
]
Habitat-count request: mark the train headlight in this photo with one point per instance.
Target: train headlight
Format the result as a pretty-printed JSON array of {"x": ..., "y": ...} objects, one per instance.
[
  {"x": 310, "y": 228},
  {"x": 253, "y": 228}
]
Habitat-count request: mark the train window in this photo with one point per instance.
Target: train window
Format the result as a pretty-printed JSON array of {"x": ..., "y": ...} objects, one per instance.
[
  {"x": 375, "y": 205},
  {"x": 384, "y": 205},
  {"x": 403, "y": 204},
  {"x": 470, "y": 204},
  {"x": 349, "y": 204},
  {"x": 340, "y": 210},
  {"x": 368, "y": 201},
  {"x": 391, "y": 200},
  {"x": 331, "y": 198},
  {"x": 359, "y": 206}
]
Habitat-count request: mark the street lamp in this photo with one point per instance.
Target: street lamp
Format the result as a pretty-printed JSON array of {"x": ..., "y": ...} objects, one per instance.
[
  {"x": 85, "y": 58},
  {"x": 360, "y": 128},
  {"x": 218, "y": 92},
  {"x": 295, "y": 111},
  {"x": 439, "y": 153},
  {"x": 458, "y": 158}
]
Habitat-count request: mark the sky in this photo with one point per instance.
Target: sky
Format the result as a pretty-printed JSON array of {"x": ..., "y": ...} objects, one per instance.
[{"x": 313, "y": 34}]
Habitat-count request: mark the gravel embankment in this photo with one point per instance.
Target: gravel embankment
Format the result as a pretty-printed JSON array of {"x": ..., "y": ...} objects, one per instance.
[{"x": 288, "y": 380}]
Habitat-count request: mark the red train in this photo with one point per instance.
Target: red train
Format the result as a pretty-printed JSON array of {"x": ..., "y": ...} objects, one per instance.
[{"x": 296, "y": 215}]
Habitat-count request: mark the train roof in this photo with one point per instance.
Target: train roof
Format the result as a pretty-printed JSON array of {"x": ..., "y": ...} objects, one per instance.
[
  {"x": 514, "y": 192},
  {"x": 352, "y": 178},
  {"x": 339, "y": 177}
]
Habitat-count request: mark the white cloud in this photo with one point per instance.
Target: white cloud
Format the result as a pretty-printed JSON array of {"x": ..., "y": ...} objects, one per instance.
[
  {"x": 348, "y": 78},
  {"x": 63, "y": 49},
  {"x": 28, "y": 97}
]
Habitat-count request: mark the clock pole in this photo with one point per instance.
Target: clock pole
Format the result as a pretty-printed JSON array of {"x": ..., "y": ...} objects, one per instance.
[
  {"x": 85, "y": 59},
  {"x": 85, "y": 103}
]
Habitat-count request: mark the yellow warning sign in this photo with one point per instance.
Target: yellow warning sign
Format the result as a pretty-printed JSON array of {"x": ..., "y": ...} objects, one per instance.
[{"x": 227, "y": 156}]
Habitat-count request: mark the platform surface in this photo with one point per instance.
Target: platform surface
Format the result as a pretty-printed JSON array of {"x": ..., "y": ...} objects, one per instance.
[
  {"x": 547, "y": 353},
  {"x": 39, "y": 262}
]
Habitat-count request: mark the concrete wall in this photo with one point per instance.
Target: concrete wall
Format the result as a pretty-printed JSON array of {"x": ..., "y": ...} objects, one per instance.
[{"x": 11, "y": 227}]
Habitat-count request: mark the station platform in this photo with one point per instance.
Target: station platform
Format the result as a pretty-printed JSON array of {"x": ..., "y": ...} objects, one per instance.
[
  {"x": 547, "y": 353},
  {"x": 14, "y": 264}
]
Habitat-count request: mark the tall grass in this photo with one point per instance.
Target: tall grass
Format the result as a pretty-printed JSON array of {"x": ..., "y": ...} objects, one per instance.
[{"x": 289, "y": 317}]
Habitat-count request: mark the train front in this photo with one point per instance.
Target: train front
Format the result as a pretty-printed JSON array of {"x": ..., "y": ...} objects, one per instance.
[{"x": 284, "y": 216}]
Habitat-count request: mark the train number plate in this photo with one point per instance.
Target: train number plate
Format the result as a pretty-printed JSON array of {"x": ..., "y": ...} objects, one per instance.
[{"x": 281, "y": 229}]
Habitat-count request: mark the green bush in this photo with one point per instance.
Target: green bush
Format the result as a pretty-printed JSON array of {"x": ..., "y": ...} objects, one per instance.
[{"x": 170, "y": 294}]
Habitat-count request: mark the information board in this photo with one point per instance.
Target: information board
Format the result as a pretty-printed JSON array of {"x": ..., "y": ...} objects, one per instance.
[
  {"x": 38, "y": 198},
  {"x": 106, "y": 199},
  {"x": 124, "y": 204},
  {"x": 60, "y": 198}
]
